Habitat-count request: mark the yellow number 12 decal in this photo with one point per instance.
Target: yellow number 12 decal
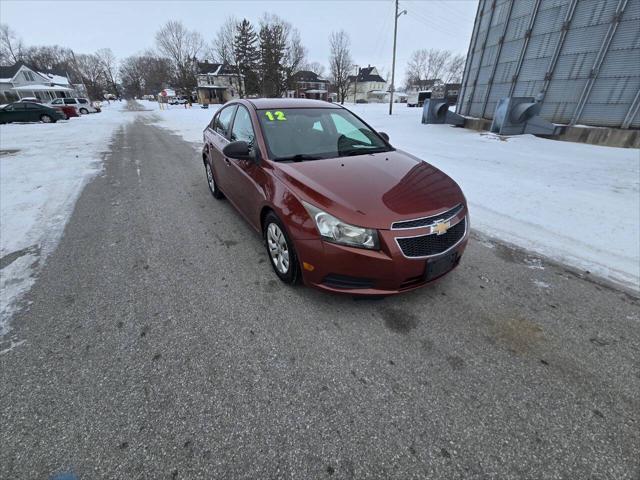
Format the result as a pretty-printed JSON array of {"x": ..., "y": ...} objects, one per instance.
[{"x": 277, "y": 115}]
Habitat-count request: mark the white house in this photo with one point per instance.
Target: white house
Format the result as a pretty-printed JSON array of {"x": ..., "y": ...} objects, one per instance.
[
  {"x": 19, "y": 81},
  {"x": 218, "y": 83},
  {"x": 368, "y": 86}
]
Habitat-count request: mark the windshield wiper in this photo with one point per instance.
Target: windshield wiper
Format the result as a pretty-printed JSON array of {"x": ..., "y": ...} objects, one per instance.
[
  {"x": 363, "y": 151},
  {"x": 298, "y": 157}
]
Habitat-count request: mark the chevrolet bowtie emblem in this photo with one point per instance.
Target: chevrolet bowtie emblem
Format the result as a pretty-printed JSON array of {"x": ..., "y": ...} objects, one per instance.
[{"x": 440, "y": 228}]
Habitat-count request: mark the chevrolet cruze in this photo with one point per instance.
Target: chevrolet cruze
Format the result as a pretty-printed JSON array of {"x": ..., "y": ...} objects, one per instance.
[{"x": 339, "y": 207}]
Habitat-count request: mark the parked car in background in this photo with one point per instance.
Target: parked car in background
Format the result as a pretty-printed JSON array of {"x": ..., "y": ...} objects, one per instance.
[
  {"x": 338, "y": 206},
  {"x": 83, "y": 105},
  {"x": 29, "y": 112},
  {"x": 69, "y": 111},
  {"x": 178, "y": 101},
  {"x": 416, "y": 99}
]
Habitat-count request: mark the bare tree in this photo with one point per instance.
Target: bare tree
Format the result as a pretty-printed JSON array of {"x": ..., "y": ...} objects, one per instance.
[
  {"x": 427, "y": 65},
  {"x": 340, "y": 62},
  {"x": 108, "y": 64},
  {"x": 48, "y": 57},
  {"x": 222, "y": 48},
  {"x": 91, "y": 73},
  {"x": 181, "y": 46},
  {"x": 315, "y": 67},
  {"x": 294, "y": 57},
  {"x": 11, "y": 47},
  {"x": 454, "y": 69}
]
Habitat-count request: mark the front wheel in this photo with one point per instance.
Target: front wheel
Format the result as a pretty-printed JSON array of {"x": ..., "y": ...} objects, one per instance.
[
  {"x": 84, "y": 111},
  {"x": 281, "y": 251},
  {"x": 46, "y": 119}
]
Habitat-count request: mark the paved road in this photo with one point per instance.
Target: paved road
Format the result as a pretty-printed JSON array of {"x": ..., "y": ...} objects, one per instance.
[{"x": 159, "y": 344}]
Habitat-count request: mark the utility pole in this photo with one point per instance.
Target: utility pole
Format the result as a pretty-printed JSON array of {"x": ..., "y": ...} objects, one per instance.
[
  {"x": 393, "y": 63},
  {"x": 355, "y": 88}
]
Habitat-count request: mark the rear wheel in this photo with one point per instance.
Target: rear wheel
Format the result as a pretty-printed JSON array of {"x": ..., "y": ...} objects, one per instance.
[
  {"x": 46, "y": 119},
  {"x": 211, "y": 181},
  {"x": 280, "y": 249}
]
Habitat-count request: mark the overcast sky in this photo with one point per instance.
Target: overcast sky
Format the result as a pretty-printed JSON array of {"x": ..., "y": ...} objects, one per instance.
[{"x": 129, "y": 27}]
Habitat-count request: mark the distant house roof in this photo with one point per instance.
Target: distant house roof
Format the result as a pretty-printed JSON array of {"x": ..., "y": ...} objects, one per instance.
[
  {"x": 206, "y": 68},
  {"x": 368, "y": 74},
  {"x": 7, "y": 72},
  {"x": 56, "y": 76},
  {"x": 308, "y": 76}
]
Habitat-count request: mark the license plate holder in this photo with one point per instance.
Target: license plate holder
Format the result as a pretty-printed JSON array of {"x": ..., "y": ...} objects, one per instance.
[{"x": 440, "y": 266}]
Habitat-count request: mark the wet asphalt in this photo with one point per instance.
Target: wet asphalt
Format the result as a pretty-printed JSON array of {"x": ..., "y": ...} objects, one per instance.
[{"x": 158, "y": 344}]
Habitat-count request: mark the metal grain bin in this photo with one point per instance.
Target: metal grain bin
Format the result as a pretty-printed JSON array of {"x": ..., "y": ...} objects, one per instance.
[{"x": 579, "y": 58}]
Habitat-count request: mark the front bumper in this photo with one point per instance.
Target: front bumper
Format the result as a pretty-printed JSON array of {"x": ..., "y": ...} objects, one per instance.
[{"x": 360, "y": 272}]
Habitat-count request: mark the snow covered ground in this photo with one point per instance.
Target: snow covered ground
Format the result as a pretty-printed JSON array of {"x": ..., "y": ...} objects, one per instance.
[
  {"x": 43, "y": 168},
  {"x": 575, "y": 203}
]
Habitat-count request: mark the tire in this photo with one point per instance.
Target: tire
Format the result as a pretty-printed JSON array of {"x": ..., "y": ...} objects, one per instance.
[
  {"x": 280, "y": 250},
  {"x": 84, "y": 111},
  {"x": 211, "y": 182},
  {"x": 47, "y": 119}
]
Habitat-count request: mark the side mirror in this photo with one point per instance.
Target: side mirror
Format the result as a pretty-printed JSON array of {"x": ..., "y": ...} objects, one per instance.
[
  {"x": 239, "y": 150},
  {"x": 384, "y": 135}
]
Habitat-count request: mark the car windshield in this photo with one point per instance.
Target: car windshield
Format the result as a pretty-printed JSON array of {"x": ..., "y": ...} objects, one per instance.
[{"x": 300, "y": 134}]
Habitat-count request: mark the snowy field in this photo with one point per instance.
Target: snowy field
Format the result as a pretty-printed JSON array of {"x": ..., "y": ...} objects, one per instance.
[
  {"x": 575, "y": 203},
  {"x": 39, "y": 184}
]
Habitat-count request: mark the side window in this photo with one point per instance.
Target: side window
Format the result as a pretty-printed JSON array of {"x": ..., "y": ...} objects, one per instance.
[
  {"x": 32, "y": 106},
  {"x": 57, "y": 101},
  {"x": 223, "y": 120},
  {"x": 346, "y": 128},
  {"x": 70, "y": 101},
  {"x": 82, "y": 100},
  {"x": 242, "y": 127}
]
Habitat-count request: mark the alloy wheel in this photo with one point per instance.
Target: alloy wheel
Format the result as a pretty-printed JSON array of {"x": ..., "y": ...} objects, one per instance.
[
  {"x": 210, "y": 180},
  {"x": 278, "y": 248}
]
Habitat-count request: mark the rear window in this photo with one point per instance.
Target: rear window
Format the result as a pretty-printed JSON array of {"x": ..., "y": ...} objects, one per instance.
[{"x": 82, "y": 100}]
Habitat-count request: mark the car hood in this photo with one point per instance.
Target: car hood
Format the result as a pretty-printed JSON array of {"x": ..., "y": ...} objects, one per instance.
[{"x": 372, "y": 190}]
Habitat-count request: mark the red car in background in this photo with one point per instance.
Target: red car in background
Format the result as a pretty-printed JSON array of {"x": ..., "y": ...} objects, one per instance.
[
  {"x": 337, "y": 205},
  {"x": 68, "y": 110}
]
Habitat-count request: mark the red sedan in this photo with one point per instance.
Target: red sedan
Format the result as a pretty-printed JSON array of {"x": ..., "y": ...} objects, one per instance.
[{"x": 338, "y": 207}]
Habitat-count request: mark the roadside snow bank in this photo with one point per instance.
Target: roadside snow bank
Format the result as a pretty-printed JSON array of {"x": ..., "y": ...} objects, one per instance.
[
  {"x": 43, "y": 168},
  {"x": 186, "y": 122},
  {"x": 575, "y": 203}
]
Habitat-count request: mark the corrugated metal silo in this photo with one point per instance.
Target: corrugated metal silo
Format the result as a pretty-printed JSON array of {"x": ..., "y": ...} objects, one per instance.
[{"x": 579, "y": 58}]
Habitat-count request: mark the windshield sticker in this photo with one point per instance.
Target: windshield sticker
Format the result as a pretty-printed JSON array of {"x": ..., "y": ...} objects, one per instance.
[{"x": 277, "y": 115}]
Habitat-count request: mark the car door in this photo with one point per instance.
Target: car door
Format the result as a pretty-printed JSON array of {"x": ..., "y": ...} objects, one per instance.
[
  {"x": 33, "y": 112},
  {"x": 17, "y": 112},
  {"x": 8, "y": 113},
  {"x": 246, "y": 177},
  {"x": 217, "y": 138}
]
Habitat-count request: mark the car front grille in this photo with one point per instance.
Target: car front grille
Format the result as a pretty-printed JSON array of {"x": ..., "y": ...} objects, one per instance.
[
  {"x": 426, "y": 221},
  {"x": 428, "y": 245}
]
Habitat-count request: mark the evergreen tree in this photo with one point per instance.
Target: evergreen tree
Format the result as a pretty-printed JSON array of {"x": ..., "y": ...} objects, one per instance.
[
  {"x": 247, "y": 56},
  {"x": 272, "y": 52}
]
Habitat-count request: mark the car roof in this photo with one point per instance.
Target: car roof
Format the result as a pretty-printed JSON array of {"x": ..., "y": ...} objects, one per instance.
[{"x": 268, "y": 103}]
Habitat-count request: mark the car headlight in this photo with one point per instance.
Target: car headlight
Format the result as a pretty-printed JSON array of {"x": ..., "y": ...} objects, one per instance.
[{"x": 335, "y": 230}]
